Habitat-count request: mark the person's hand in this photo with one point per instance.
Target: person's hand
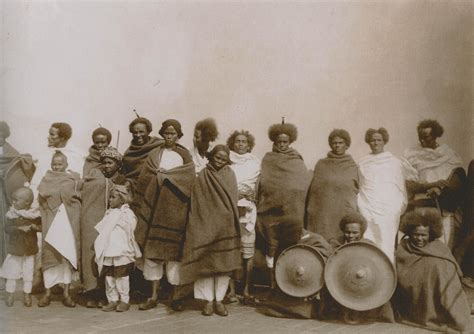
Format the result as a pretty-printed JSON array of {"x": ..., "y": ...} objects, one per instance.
[
  {"x": 442, "y": 183},
  {"x": 242, "y": 211},
  {"x": 434, "y": 192},
  {"x": 25, "y": 228},
  {"x": 316, "y": 296}
]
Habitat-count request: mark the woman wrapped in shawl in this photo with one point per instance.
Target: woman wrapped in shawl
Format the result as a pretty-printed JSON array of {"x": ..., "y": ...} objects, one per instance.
[
  {"x": 246, "y": 167},
  {"x": 60, "y": 208},
  {"x": 15, "y": 170},
  {"x": 333, "y": 191},
  {"x": 212, "y": 245},
  {"x": 95, "y": 197},
  {"x": 382, "y": 195},
  {"x": 101, "y": 138},
  {"x": 163, "y": 192},
  {"x": 142, "y": 144},
  {"x": 429, "y": 292},
  {"x": 283, "y": 185}
]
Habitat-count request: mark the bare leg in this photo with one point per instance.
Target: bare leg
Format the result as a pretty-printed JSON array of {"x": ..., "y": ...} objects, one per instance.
[
  {"x": 272, "y": 278},
  {"x": 231, "y": 288},
  {"x": 66, "y": 291},
  {"x": 153, "y": 300},
  {"x": 248, "y": 267},
  {"x": 154, "y": 290},
  {"x": 46, "y": 299},
  {"x": 67, "y": 301}
]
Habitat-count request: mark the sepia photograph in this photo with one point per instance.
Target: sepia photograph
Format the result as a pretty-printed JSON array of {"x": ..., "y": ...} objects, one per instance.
[{"x": 232, "y": 166}]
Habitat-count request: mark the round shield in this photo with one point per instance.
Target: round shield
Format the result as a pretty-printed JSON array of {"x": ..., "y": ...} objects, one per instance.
[
  {"x": 299, "y": 271},
  {"x": 360, "y": 276}
]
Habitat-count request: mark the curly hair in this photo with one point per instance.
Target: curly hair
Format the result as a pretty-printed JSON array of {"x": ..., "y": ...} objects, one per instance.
[
  {"x": 219, "y": 148},
  {"x": 354, "y": 218},
  {"x": 341, "y": 133},
  {"x": 140, "y": 120},
  {"x": 436, "y": 128},
  {"x": 208, "y": 129},
  {"x": 5, "y": 129},
  {"x": 250, "y": 139},
  {"x": 287, "y": 128},
  {"x": 429, "y": 217},
  {"x": 370, "y": 132},
  {"x": 64, "y": 130},
  {"x": 102, "y": 131}
]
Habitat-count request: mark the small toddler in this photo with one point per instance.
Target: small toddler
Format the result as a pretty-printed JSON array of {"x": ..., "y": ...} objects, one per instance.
[{"x": 22, "y": 224}]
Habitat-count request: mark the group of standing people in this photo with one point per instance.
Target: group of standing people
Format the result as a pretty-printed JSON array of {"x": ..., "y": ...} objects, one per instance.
[{"x": 197, "y": 215}]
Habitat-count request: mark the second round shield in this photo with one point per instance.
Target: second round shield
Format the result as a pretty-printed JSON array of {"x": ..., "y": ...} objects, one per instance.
[
  {"x": 299, "y": 271},
  {"x": 360, "y": 276}
]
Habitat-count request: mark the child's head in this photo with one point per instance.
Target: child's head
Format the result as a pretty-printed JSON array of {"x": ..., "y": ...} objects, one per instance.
[
  {"x": 219, "y": 156},
  {"x": 120, "y": 195},
  {"x": 22, "y": 198},
  {"x": 353, "y": 226},
  {"x": 59, "y": 162}
]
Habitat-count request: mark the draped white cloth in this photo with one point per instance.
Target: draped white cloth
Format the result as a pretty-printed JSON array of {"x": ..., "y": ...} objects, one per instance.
[
  {"x": 382, "y": 198},
  {"x": 199, "y": 161},
  {"x": 246, "y": 168},
  {"x": 116, "y": 236},
  {"x": 429, "y": 165},
  {"x": 61, "y": 236},
  {"x": 426, "y": 165}
]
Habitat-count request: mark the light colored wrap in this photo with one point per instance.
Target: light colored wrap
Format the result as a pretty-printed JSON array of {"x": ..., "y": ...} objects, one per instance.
[{"x": 382, "y": 198}]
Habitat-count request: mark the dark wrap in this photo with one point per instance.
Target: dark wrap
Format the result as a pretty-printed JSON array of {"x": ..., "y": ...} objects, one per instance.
[
  {"x": 95, "y": 192},
  {"x": 332, "y": 195},
  {"x": 135, "y": 156},
  {"x": 212, "y": 244},
  {"x": 162, "y": 201},
  {"x": 282, "y": 189},
  {"x": 92, "y": 161},
  {"x": 429, "y": 292},
  {"x": 15, "y": 170}
]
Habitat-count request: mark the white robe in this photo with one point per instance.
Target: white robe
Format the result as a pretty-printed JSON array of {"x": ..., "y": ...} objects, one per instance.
[
  {"x": 116, "y": 236},
  {"x": 199, "y": 161},
  {"x": 426, "y": 165},
  {"x": 382, "y": 198},
  {"x": 247, "y": 171}
]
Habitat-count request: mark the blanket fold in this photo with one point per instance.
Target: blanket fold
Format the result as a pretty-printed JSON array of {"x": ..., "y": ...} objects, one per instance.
[
  {"x": 212, "y": 244},
  {"x": 59, "y": 190}
]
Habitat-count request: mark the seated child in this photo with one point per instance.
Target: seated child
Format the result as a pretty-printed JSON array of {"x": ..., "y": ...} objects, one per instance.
[
  {"x": 22, "y": 224},
  {"x": 116, "y": 248},
  {"x": 60, "y": 208}
]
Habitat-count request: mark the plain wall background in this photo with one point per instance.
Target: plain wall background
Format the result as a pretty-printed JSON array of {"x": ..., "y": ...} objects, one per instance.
[{"x": 322, "y": 65}]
